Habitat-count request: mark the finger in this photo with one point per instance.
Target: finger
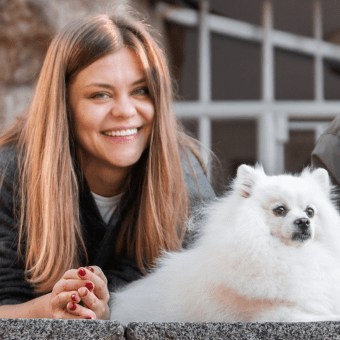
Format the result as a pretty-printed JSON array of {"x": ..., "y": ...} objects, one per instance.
[
  {"x": 67, "y": 285},
  {"x": 96, "y": 270},
  {"x": 62, "y": 312},
  {"x": 90, "y": 269},
  {"x": 75, "y": 297},
  {"x": 100, "y": 286},
  {"x": 91, "y": 301},
  {"x": 82, "y": 272},
  {"x": 60, "y": 301},
  {"x": 70, "y": 316},
  {"x": 70, "y": 274},
  {"x": 74, "y": 273},
  {"x": 80, "y": 311},
  {"x": 87, "y": 298}
]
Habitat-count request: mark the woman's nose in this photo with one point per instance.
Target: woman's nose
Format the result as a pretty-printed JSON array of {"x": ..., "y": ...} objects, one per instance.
[{"x": 123, "y": 107}]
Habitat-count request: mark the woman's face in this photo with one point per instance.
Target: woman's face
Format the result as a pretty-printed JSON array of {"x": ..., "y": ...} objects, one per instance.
[{"x": 112, "y": 112}]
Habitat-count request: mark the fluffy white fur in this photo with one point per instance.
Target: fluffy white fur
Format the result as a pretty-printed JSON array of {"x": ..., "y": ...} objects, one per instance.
[{"x": 247, "y": 265}]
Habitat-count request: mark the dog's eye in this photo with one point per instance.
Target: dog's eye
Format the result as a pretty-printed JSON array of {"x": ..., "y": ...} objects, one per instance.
[
  {"x": 280, "y": 211},
  {"x": 310, "y": 212}
]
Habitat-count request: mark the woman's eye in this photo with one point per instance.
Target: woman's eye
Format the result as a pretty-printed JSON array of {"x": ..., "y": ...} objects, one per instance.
[
  {"x": 310, "y": 212},
  {"x": 141, "y": 91},
  {"x": 100, "y": 95},
  {"x": 280, "y": 211}
]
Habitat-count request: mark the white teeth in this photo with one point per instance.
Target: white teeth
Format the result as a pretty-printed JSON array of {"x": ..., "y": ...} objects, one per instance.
[{"x": 127, "y": 132}]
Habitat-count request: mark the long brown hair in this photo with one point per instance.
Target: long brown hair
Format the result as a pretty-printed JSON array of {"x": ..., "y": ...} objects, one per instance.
[{"x": 48, "y": 181}]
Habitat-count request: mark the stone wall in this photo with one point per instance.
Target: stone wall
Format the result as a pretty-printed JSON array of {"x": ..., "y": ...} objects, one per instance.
[{"x": 26, "y": 29}]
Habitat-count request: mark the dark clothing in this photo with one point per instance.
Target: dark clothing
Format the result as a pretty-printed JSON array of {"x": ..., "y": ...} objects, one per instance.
[
  {"x": 326, "y": 153},
  {"x": 99, "y": 237}
]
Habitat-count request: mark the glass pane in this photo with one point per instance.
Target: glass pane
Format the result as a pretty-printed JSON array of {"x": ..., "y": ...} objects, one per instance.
[
  {"x": 236, "y": 69},
  {"x": 294, "y": 76},
  {"x": 294, "y": 16}
]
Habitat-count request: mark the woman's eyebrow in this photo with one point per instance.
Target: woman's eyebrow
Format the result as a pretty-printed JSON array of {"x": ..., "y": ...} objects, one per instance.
[
  {"x": 109, "y": 86},
  {"x": 142, "y": 80}
]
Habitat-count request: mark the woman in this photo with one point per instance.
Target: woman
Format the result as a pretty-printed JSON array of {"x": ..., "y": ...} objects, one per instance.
[{"x": 97, "y": 171}]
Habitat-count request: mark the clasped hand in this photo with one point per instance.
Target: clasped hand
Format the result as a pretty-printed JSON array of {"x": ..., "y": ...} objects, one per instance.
[{"x": 81, "y": 294}]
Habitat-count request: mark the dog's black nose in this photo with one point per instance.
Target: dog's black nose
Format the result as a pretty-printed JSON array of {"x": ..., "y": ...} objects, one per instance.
[{"x": 302, "y": 223}]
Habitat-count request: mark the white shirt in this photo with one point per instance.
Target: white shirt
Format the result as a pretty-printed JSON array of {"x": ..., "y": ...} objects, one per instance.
[{"x": 106, "y": 205}]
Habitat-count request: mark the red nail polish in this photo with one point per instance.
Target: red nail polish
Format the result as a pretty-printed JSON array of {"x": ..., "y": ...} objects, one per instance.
[
  {"x": 88, "y": 317},
  {"x": 89, "y": 285},
  {"x": 85, "y": 293},
  {"x": 74, "y": 297},
  {"x": 91, "y": 269},
  {"x": 82, "y": 272},
  {"x": 73, "y": 307}
]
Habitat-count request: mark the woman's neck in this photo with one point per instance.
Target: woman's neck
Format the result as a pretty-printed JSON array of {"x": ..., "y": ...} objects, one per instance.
[{"x": 106, "y": 182}]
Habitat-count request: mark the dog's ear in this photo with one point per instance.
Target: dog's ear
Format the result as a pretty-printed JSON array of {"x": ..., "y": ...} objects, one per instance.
[
  {"x": 246, "y": 179},
  {"x": 322, "y": 177}
]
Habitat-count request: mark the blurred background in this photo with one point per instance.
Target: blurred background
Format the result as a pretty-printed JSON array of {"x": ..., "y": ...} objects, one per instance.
[{"x": 257, "y": 80}]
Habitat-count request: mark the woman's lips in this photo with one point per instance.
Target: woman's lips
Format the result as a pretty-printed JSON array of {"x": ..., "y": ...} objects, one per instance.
[
  {"x": 121, "y": 131},
  {"x": 122, "y": 135}
]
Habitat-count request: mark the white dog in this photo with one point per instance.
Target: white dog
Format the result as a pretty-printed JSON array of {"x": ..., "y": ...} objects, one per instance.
[{"x": 269, "y": 251}]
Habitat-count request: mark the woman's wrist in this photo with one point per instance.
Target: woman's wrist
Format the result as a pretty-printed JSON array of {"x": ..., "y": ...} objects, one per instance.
[{"x": 37, "y": 308}]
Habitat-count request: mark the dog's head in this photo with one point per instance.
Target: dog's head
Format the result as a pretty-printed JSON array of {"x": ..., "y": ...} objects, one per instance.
[{"x": 289, "y": 206}]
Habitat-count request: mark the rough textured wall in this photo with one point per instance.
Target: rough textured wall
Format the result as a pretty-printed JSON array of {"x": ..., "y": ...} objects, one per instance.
[{"x": 26, "y": 29}]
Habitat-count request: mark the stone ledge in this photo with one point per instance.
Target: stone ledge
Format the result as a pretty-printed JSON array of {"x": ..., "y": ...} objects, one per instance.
[
  {"x": 234, "y": 331},
  {"x": 52, "y": 329},
  {"x": 98, "y": 329}
]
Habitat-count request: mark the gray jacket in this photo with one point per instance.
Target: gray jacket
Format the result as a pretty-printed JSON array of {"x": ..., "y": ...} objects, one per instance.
[{"x": 326, "y": 153}]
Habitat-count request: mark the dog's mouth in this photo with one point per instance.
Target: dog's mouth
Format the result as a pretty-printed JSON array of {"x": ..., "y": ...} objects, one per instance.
[{"x": 302, "y": 236}]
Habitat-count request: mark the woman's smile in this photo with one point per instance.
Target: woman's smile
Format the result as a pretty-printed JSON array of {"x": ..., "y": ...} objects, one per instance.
[{"x": 122, "y": 135}]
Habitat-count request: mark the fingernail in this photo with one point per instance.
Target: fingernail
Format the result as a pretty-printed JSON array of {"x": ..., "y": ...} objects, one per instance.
[
  {"x": 88, "y": 317},
  {"x": 91, "y": 269},
  {"x": 73, "y": 307},
  {"x": 74, "y": 297},
  {"x": 89, "y": 285},
  {"x": 86, "y": 292},
  {"x": 82, "y": 272}
]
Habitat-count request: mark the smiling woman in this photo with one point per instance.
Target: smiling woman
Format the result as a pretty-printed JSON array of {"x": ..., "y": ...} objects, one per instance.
[
  {"x": 97, "y": 172},
  {"x": 112, "y": 114}
]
